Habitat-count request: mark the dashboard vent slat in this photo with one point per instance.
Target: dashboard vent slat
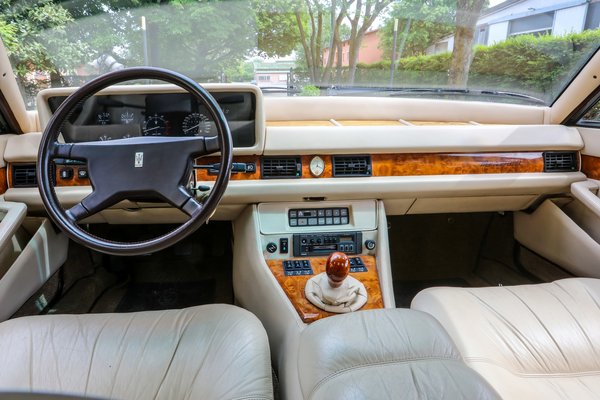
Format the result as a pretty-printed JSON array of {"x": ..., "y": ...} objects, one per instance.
[
  {"x": 24, "y": 175},
  {"x": 281, "y": 167},
  {"x": 351, "y": 166},
  {"x": 560, "y": 161}
]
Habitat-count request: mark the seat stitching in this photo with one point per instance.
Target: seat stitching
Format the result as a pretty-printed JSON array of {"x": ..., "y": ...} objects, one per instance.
[
  {"x": 560, "y": 350},
  {"x": 379, "y": 364},
  {"x": 526, "y": 343},
  {"x": 121, "y": 355},
  {"x": 583, "y": 331},
  {"x": 96, "y": 339},
  {"x": 186, "y": 322},
  {"x": 473, "y": 360}
]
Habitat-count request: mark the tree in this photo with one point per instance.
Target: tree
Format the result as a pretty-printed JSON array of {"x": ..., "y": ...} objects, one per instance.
[
  {"x": 36, "y": 38},
  {"x": 364, "y": 13},
  {"x": 277, "y": 30},
  {"x": 467, "y": 14},
  {"x": 421, "y": 24}
]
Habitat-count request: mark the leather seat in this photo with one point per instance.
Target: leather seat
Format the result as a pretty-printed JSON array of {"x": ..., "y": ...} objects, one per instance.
[
  {"x": 208, "y": 352},
  {"x": 384, "y": 354},
  {"x": 532, "y": 341}
]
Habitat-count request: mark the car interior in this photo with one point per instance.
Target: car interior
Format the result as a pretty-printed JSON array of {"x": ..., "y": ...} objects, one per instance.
[{"x": 327, "y": 247}]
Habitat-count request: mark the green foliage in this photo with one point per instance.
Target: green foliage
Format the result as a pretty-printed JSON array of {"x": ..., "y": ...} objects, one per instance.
[
  {"x": 35, "y": 36},
  {"x": 310, "y": 90},
  {"x": 241, "y": 72},
  {"x": 430, "y": 21},
  {"x": 526, "y": 64},
  {"x": 277, "y": 28}
]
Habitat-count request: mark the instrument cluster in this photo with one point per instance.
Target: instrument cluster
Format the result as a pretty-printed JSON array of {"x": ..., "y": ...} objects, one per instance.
[{"x": 121, "y": 116}]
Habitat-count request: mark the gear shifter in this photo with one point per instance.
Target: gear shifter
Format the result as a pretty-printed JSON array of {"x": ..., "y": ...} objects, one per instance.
[
  {"x": 337, "y": 269},
  {"x": 335, "y": 291}
]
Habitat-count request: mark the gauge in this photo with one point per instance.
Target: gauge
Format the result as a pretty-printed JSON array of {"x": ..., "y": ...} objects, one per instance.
[
  {"x": 155, "y": 125},
  {"x": 317, "y": 166},
  {"x": 104, "y": 118},
  {"x": 126, "y": 117},
  {"x": 196, "y": 124}
]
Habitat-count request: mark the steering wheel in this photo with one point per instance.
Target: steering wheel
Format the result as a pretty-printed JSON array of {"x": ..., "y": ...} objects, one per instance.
[{"x": 133, "y": 167}]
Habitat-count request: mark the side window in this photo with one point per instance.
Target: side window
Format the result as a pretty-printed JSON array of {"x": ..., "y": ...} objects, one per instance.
[{"x": 592, "y": 117}]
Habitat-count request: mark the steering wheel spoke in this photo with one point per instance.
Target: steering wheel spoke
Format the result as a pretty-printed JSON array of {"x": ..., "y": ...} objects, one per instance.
[{"x": 192, "y": 207}]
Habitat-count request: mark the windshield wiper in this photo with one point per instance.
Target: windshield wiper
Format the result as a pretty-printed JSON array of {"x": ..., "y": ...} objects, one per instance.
[{"x": 512, "y": 94}]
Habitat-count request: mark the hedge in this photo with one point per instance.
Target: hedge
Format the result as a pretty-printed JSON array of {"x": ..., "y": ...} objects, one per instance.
[{"x": 535, "y": 65}]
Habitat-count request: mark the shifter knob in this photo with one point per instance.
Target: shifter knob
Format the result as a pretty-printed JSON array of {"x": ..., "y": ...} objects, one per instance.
[{"x": 337, "y": 269}]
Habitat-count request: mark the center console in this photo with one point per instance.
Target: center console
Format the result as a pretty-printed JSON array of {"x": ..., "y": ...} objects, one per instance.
[
  {"x": 297, "y": 238},
  {"x": 279, "y": 247}
]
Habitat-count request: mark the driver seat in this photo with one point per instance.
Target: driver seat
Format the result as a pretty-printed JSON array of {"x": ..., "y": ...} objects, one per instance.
[{"x": 210, "y": 352}]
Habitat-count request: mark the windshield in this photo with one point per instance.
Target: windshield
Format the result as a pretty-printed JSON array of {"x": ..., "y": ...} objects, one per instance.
[{"x": 522, "y": 52}]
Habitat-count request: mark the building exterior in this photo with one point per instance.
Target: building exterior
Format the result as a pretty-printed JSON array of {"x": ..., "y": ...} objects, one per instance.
[
  {"x": 537, "y": 17},
  {"x": 273, "y": 74},
  {"x": 368, "y": 53}
]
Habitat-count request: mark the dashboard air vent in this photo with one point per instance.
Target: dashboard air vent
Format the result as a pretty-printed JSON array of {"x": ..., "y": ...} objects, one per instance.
[
  {"x": 351, "y": 166},
  {"x": 560, "y": 161},
  {"x": 281, "y": 167},
  {"x": 24, "y": 175}
]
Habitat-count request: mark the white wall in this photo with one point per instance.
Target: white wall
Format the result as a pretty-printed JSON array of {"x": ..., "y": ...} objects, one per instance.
[
  {"x": 569, "y": 20},
  {"x": 498, "y": 32},
  {"x": 522, "y": 7}
]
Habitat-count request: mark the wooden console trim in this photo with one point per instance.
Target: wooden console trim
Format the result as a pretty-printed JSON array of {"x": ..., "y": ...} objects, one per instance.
[
  {"x": 590, "y": 166},
  {"x": 3, "y": 180},
  {"x": 456, "y": 163},
  {"x": 75, "y": 180},
  {"x": 293, "y": 286},
  {"x": 202, "y": 175},
  {"x": 411, "y": 164}
]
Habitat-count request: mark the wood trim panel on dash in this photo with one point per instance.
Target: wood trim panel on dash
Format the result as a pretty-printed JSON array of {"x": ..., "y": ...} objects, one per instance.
[
  {"x": 413, "y": 164},
  {"x": 293, "y": 286},
  {"x": 3, "y": 180},
  {"x": 590, "y": 166},
  {"x": 75, "y": 180},
  {"x": 456, "y": 163},
  {"x": 202, "y": 175}
]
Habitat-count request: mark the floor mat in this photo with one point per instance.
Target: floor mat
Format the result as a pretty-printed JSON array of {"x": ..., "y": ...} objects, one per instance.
[
  {"x": 404, "y": 291},
  {"x": 165, "y": 295}
]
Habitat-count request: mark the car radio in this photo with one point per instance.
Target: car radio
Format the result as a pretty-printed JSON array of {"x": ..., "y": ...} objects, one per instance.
[{"x": 320, "y": 244}]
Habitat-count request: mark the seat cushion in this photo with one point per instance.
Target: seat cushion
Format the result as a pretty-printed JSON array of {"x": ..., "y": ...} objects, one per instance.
[
  {"x": 384, "y": 354},
  {"x": 530, "y": 341},
  {"x": 208, "y": 352}
]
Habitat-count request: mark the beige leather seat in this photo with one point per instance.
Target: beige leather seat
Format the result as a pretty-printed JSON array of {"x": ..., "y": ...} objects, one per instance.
[
  {"x": 384, "y": 354},
  {"x": 207, "y": 352},
  {"x": 529, "y": 342}
]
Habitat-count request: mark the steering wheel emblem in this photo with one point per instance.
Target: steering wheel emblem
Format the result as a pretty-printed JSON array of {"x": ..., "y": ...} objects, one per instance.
[{"x": 139, "y": 159}]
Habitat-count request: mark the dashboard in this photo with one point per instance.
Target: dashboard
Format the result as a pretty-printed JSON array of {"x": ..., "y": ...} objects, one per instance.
[{"x": 121, "y": 116}]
